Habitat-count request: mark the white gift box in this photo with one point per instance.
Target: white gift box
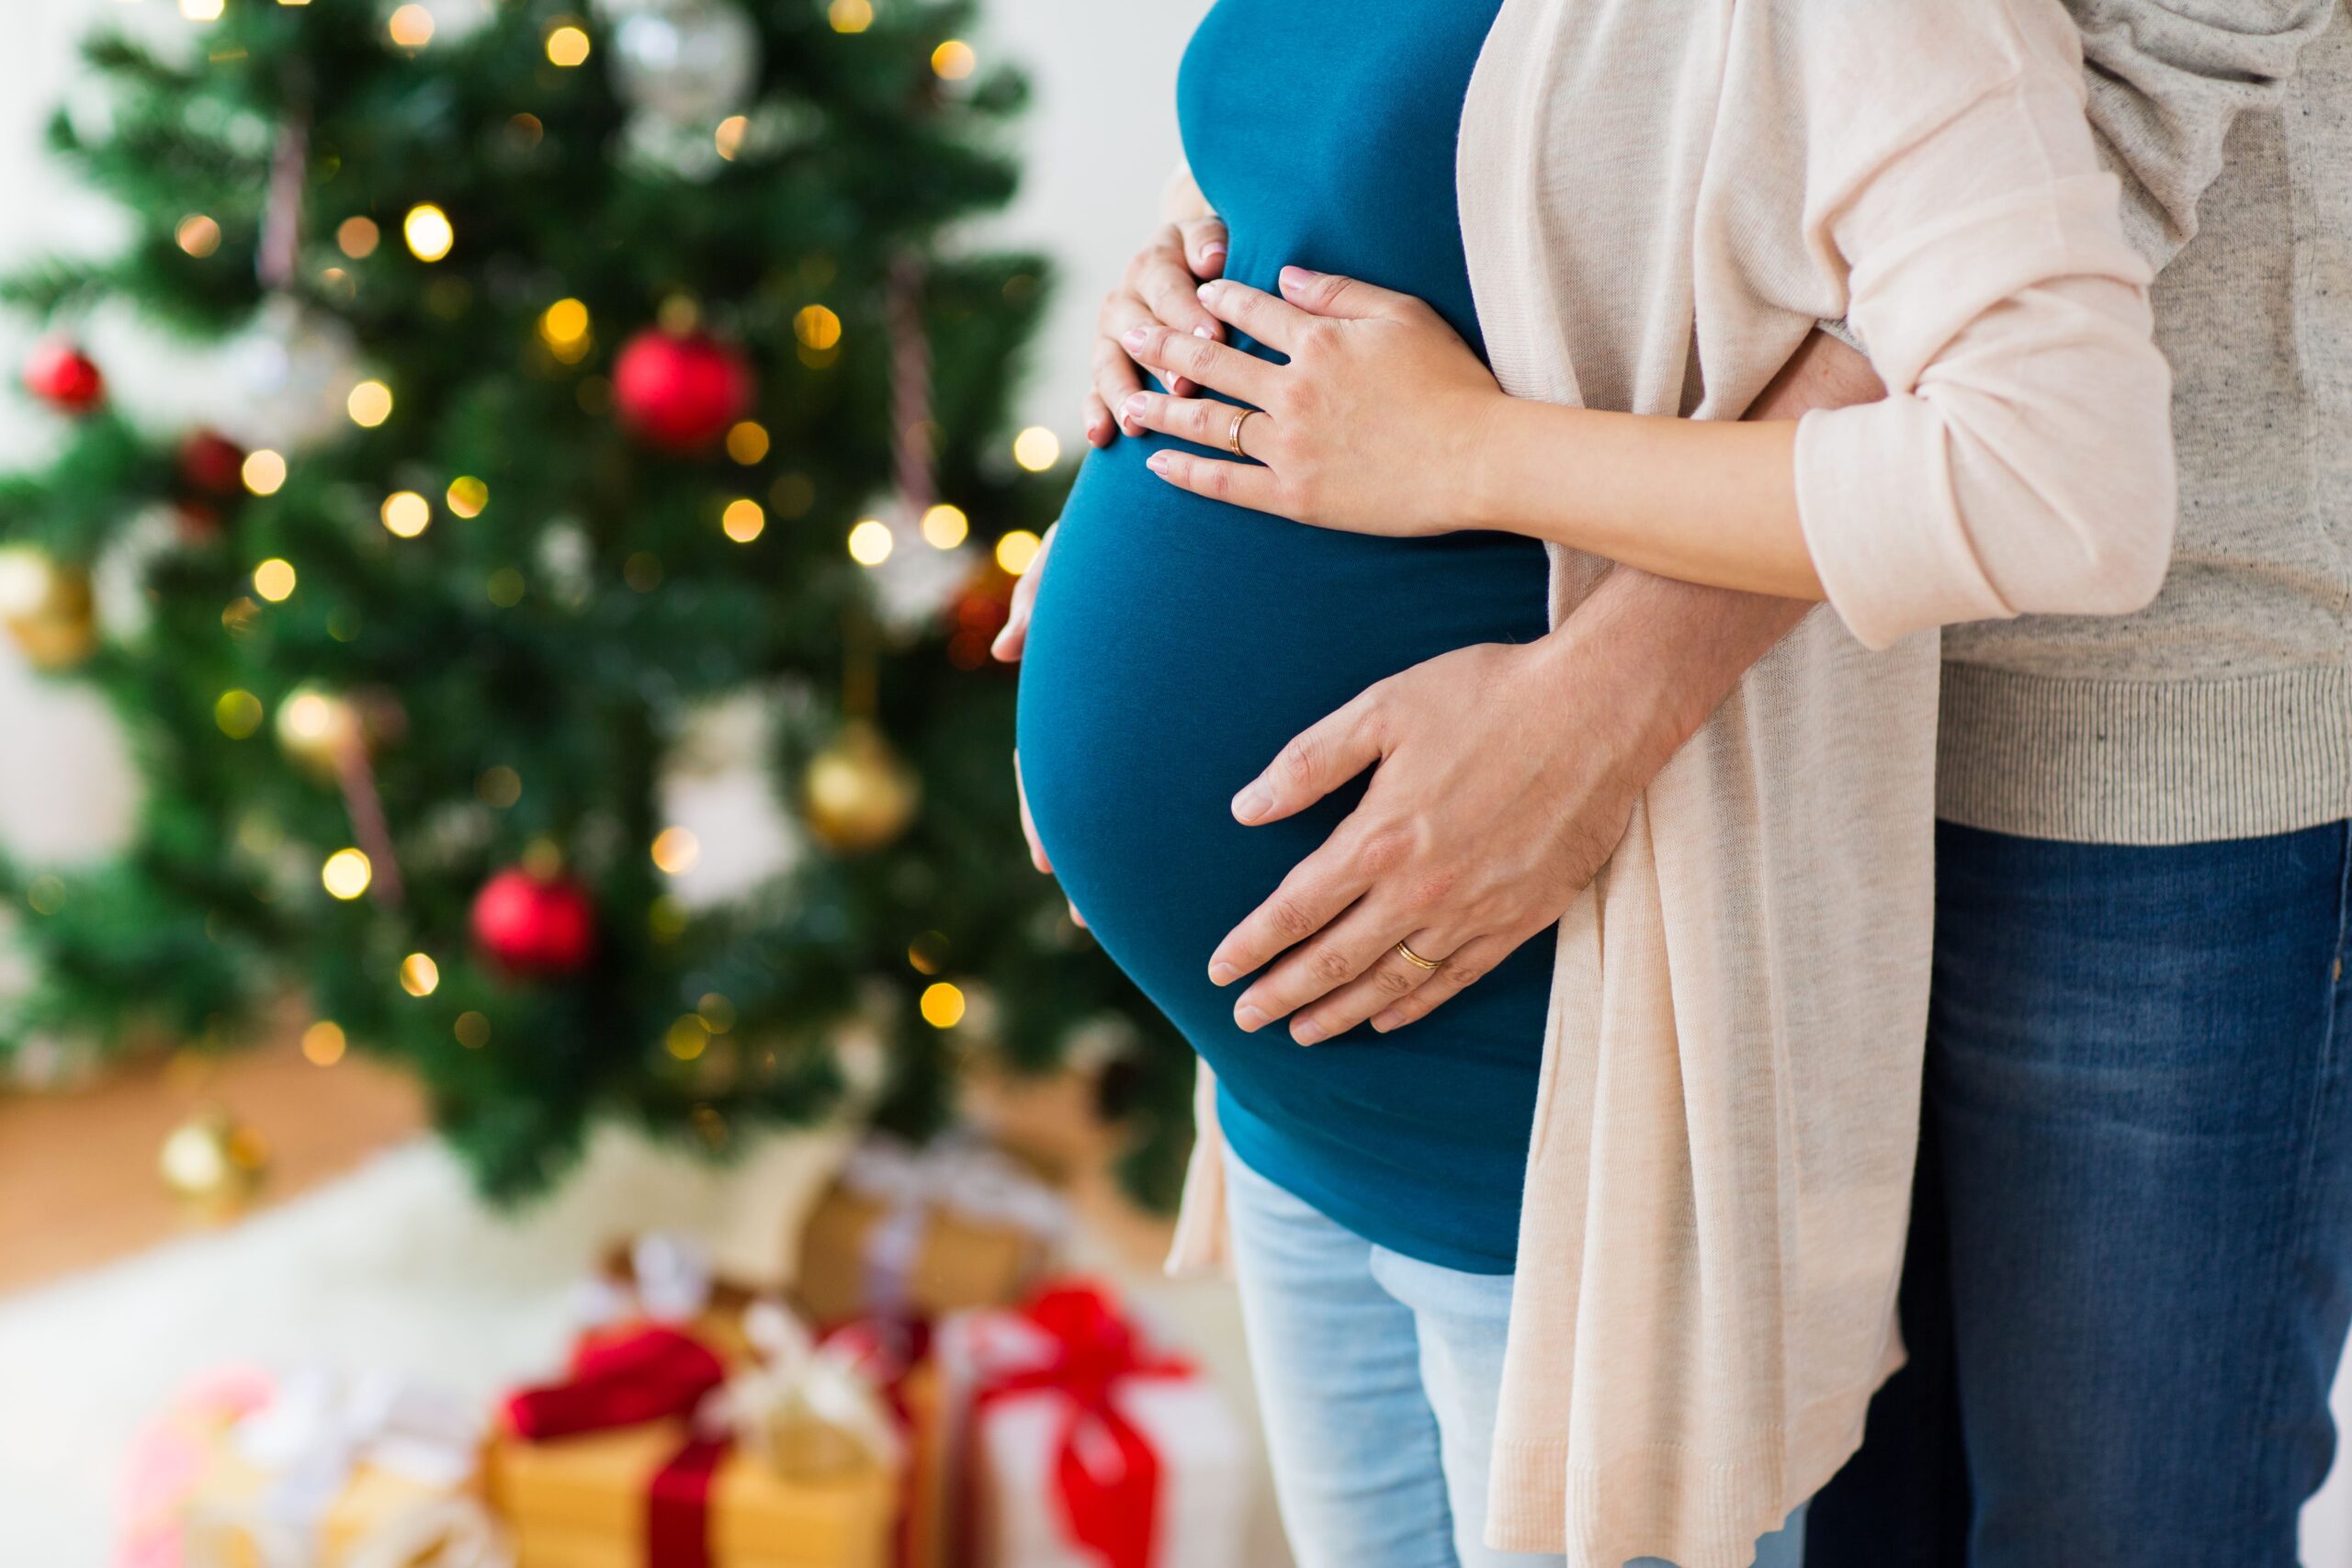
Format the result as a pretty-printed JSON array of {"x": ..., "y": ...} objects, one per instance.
[{"x": 1008, "y": 1449}]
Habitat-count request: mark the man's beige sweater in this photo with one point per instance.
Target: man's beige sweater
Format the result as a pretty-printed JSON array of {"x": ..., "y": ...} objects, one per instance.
[
  {"x": 1659, "y": 202},
  {"x": 2224, "y": 709}
]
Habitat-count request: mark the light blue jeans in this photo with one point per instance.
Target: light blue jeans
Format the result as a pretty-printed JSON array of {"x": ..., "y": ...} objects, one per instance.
[{"x": 1378, "y": 1378}]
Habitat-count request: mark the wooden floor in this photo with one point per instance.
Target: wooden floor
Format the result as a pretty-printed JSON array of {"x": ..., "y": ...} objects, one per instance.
[{"x": 78, "y": 1179}]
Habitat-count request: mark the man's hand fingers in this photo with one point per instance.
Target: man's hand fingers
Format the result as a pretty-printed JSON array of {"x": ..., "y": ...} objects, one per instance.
[
  {"x": 1313, "y": 969},
  {"x": 1448, "y": 980},
  {"x": 1319, "y": 760},
  {"x": 1206, "y": 245},
  {"x": 1392, "y": 981},
  {"x": 1317, "y": 891}
]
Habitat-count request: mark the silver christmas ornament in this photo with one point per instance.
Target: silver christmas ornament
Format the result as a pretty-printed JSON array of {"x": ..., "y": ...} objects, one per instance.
[{"x": 692, "y": 63}]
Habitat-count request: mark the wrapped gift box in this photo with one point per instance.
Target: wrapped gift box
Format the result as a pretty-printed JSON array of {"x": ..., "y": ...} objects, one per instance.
[
  {"x": 928, "y": 1232},
  {"x": 319, "y": 1471},
  {"x": 584, "y": 1500},
  {"x": 1163, "y": 1472}
]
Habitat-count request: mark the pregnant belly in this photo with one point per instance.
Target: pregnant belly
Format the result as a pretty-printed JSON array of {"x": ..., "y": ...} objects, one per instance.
[{"x": 1178, "y": 644}]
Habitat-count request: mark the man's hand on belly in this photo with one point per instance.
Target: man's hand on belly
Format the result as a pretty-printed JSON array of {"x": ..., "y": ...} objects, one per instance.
[{"x": 1506, "y": 776}]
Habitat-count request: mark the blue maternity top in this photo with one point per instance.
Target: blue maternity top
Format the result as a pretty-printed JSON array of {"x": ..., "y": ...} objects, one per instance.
[{"x": 1180, "y": 642}]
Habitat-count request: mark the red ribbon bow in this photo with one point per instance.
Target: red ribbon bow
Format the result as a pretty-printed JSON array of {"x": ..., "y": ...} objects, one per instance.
[
  {"x": 647, "y": 1374},
  {"x": 1112, "y": 1508}
]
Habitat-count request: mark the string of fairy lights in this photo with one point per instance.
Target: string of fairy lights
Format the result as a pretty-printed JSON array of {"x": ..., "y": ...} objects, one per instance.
[{"x": 330, "y": 732}]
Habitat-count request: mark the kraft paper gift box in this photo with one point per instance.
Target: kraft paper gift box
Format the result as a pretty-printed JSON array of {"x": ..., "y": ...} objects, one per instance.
[
  {"x": 925, "y": 1232},
  {"x": 1163, "y": 1476}
]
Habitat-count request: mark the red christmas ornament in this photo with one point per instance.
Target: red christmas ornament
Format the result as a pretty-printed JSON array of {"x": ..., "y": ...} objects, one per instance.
[
  {"x": 211, "y": 466},
  {"x": 61, "y": 375},
  {"x": 681, "y": 391},
  {"x": 535, "y": 925}
]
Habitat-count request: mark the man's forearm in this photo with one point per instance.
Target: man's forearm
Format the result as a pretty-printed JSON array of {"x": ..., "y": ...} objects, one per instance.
[{"x": 1692, "y": 644}]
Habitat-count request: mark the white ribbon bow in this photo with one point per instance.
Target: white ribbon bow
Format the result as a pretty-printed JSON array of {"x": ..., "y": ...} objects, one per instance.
[
  {"x": 311, "y": 1439},
  {"x": 792, "y": 1371}
]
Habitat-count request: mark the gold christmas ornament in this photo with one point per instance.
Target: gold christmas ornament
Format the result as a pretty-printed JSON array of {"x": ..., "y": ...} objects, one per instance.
[
  {"x": 213, "y": 1163},
  {"x": 856, "y": 794},
  {"x": 47, "y": 609}
]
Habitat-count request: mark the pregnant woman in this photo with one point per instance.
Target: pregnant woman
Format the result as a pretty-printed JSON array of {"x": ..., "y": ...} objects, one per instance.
[{"x": 1598, "y": 1258}]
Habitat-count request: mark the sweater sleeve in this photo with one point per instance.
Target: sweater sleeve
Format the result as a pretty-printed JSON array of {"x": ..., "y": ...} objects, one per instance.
[
  {"x": 2022, "y": 461},
  {"x": 2168, "y": 79}
]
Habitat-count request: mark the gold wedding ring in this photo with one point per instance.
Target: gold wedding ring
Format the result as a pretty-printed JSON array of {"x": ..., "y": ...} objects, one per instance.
[
  {"x": 1233, "y": 436},
  {"x": 1412, "y": 957}
]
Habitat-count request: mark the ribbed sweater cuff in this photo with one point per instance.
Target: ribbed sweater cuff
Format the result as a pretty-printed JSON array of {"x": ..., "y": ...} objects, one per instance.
[{"x": 2143, "y": 763}]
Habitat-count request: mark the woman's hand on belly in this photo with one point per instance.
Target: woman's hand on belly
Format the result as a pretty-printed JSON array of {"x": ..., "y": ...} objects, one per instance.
[
  {"x": 1370, "y": 428},
  {"x": 1506, "y": 776}
]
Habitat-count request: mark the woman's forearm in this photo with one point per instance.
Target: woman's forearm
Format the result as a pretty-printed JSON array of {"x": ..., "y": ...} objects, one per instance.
[{"x": 1705, "y": 501}]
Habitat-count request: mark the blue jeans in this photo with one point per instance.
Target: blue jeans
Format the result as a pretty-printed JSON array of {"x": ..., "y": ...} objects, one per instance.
[
  {"x": 2131, "y": 1262},
  {"x": 1378, "y": 1377}
]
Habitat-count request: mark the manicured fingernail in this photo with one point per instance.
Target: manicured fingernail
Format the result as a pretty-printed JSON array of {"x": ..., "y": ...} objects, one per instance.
[
  {"x": 1252, "y": 803},
  {"x": 1204, "y": 331},
  {"x": 1386, "y": 1022},
  {"x": 1212, "y": 255},
  {"x": 1209, "y": 291},
  {"x": 1135, "y": 337},
  {"x": 1306, "y": 1031},
  {"x": 1250, "y": 1019},
  {"x": 1161, "y": 462},
  {"x": 1221, "y": 973},
  {"x": 1298, "y": 277},
  {"x": 1135, "y": 405}
]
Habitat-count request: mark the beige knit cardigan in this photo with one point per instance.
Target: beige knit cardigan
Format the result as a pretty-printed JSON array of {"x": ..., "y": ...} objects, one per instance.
[{"x": 1660, "y": 198}]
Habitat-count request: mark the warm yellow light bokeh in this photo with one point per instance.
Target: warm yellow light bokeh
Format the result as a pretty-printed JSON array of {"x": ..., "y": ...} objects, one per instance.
[
  {"x": 564, "y": 328},
  {"x": 201, "y": 10},
  {"x": 370, "y": 405},
  {"x": 953, "y": 60},
  {"x": 687, "y": 1038},
  {"x": 729, "y": 137},
  {"x": 1017, "y": 551},
  {"x": 1037, "y": 449},
  {"x": 238, "y": 713},
  {"x": 428, "y": 232},
  {"x": 274, "y": 579},
  {"x": 468, "y": 496},
  {"x": 323, "y": 1043},
  {"x": 870, "y": 543},
  {"x": 943, "y": 1005},
  {"x": 263, "y": 472},
  {"x": 850, "y": 15},
  {"x": 567, "y": 45},
  {"x": 407, "y": 513},
  {"x": 347, "y": 875},
  {"x": 472, "y": 1030},
  {"x": 411, "y": 27},
  {"x": 198, "y": 235},
  {"x": 358, "y": 237},
  {"x": 946, "y": 526},
  {"x": 675, "y": 850},
  {"x": 743, "y": 521},
  {"x": 818, "y": 327},
  {"x": 748, "y": 442},
  {"x": 420, "y": 976}
]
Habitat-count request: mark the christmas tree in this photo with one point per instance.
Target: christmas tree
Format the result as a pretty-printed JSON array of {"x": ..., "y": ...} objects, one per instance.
[{"x": 600, "y": 408}]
